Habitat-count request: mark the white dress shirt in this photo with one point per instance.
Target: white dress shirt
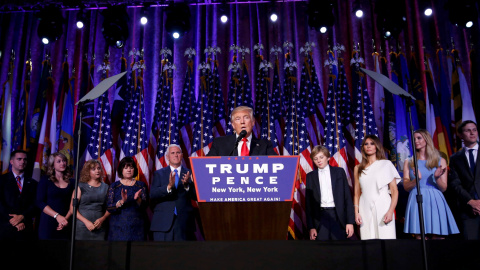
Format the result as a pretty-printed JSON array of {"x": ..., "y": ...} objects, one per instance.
[
  {"x": 326, "y": 191},
  {"x": 240, "y": 144}
]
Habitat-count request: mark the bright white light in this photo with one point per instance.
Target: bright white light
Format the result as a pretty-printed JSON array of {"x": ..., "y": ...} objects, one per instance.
[
  {"x": 273, "y": 17},
  {"x": 387, "y": 34},
  {"x": 428, "y": 12},
  {"x": 359, "y": 13},
  {"x": 119, "y": 44},
  {"x": 143, "y": 20},
  {"x": 224, "y": 18},
  {"x": 45, "y": 40},
  {"x": 323, "y": 29},
  {"x": 79, "y": 24},
  {"x": 176, "y": 35},
  {"x": 469, "y": 24}
]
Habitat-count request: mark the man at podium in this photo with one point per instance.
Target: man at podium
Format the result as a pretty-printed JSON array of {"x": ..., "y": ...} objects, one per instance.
[{"x": 242, "y": 143}]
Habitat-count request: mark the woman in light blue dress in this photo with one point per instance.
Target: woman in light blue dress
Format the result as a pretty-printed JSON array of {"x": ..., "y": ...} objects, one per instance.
[{"x": 432, "y": 172}]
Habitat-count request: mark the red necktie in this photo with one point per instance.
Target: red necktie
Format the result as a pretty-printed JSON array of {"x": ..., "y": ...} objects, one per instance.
[
  {"x": 245, "y": 151},
  {"x": 19, "y": 184}
]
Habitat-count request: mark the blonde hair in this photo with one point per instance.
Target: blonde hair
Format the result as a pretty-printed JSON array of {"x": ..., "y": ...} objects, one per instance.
[
  {"x": 67, "y": 174},
  {"x": 240, "y": 109},
  {"x": 380, "y": 154},
  {"x": 431, "y": 153},
  {"x": 89, "y": 165}
]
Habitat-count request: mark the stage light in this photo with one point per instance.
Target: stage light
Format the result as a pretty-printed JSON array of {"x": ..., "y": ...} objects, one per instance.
[
  {"x": 320, "y": 14},
  {"x": 178, "y": 19},
  {"x": 115, "y": 26},
  {"x": 143, "y": 20},
  {"x": 390, "y": 21},
  {"x": 223, "y": 11},
  {"x": 273, "y": 17},
  {"x": 428, "y": 12},
  {"x": 224, "y": 18},
  {"x": 51, "y": 24},
  {"x": 80, "y": 19},
  {"x": 323, "y": 29},
  {"x": 357, "y": 9},
  {"x": 462, "y": 13}
]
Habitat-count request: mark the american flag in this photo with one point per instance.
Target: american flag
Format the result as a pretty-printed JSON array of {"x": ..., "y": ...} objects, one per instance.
[
  {"x": 261, "y": 97},
  {"x": 203, "y": 121},
  {"x": 296, "y": 142},
  {"x": 234, "y": 98},
  {"x": 311, "y": 96},
  {"x": 64, "y": 142},
  {"x": 187, "y": 109},
  {"x": 267, "y": 120},
  {"x": 120, "y": 103},
  {"x": 276, "y": 103},
  {"x": 216, "y": 95},
  {"x": 364, "y": 116},
  {"x": 334, "y": 140},
  {"x": 101, "y": 145},
  {"x": 135, "y": 143},
  {"x": 247, "y": 99},
  {"x": 167, "y": 124}
]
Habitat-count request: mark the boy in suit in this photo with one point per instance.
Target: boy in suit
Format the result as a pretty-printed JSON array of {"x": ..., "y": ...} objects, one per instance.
[{"x": 328, "y": 199}]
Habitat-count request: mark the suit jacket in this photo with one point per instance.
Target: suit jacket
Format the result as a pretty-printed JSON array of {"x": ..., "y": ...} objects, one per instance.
[
  {"x": 462, "y": 182},
  {"x": 14, "y": 202},
  {"x": 164, "y": 203},
  {"x": 223, "y": 146},
  {"x": 342, "y": 198}
]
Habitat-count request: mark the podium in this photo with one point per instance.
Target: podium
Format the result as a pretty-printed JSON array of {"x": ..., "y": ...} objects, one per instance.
[{"x": 245, "y": 198}]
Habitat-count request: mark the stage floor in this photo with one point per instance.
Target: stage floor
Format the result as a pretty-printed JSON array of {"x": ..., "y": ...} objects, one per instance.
[{"x": 372, "y": 254}]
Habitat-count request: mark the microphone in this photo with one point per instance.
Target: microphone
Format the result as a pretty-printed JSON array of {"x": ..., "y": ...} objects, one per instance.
[{"x": 242, "y": 135}]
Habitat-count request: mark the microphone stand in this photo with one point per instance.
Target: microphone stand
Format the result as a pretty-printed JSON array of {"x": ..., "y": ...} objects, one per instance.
[
  {"x": 409, "y": 103},
  {"x": 75, "y": 199}
]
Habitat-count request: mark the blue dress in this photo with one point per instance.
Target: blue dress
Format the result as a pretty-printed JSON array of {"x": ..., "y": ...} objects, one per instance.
[
  {"x": 127, "y": 223},
  {"x": 437, "y": 215},
  {"x": 59, "y": 200}
]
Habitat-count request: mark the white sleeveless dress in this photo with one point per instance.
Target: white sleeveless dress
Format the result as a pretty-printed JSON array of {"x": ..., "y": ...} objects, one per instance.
[{"x": 375, "y": 200}]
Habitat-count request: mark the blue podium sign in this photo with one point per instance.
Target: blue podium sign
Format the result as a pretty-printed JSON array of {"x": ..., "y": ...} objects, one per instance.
[{"x": 244, "y": 179}]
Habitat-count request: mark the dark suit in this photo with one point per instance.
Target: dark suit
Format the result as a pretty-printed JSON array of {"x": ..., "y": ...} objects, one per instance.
[
  {"x": 14, "y": 202},
  {"x": 465, "y": 186},
  {"x": 174, "y": 227},
  {"x": 223, "y": 146},
  {"x": 342, "y": 198}
]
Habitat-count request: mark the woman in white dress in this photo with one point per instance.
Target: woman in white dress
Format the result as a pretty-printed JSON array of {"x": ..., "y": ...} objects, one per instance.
[{"x": 376, "y": 192}]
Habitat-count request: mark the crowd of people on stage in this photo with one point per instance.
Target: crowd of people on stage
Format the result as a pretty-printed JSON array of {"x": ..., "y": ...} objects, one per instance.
[{"x": 381, "y": 206}]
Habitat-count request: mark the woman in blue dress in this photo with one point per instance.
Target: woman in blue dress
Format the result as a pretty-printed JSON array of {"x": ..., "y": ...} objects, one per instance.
[
  {"x": 53, "y": 199},
  {"x": 438, "y": 218},
  {"x": 127, "y": 204}
]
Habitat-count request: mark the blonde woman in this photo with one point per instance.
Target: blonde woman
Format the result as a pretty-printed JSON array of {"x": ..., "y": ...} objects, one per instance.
[
  {"x": 376, "y": 192},
  {"x": 432, "y": 174},
  {"x": 92, "y": 208},
  {"x": 54, "y": 193}
]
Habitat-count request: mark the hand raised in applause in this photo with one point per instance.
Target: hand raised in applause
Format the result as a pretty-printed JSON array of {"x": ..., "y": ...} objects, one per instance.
[
  {"x": 186, "y": 179},
  {"x": 171, "y": 181},
  {"x": 439, "y": 171}
]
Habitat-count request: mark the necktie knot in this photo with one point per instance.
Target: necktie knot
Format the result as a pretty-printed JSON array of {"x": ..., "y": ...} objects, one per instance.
[{"x": 245, "y": 152}]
